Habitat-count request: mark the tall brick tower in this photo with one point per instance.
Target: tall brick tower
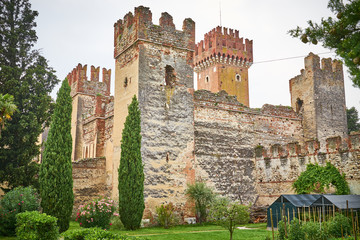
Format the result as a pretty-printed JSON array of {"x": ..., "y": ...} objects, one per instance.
[
  {"x": 318, "y": 94},
  {"x": 89, "y": 101},
  {"x": 153, "y": 62},
  {"x": 221, "y": 62}
]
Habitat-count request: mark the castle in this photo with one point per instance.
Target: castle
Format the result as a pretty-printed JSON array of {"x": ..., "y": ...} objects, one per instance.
[{"x": 211, "y": 135}]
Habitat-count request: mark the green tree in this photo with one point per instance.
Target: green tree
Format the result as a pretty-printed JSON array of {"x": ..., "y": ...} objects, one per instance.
[
  {"x": 24, "y": 74},
  {"x": 341, "y": 33},
  {"x": 352, "y": 120},
  {"x": 229, "y": 214},
  {"x": 202, "y": 195},
  {"x": 315, "y": 178},
  {"x": 7, "y": 109},
  {"x": 131, "y": 173},
  {"x": 55, "y": 176}
]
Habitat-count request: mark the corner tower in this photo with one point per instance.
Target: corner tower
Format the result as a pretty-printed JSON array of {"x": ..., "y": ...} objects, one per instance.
[
  {"x": 154, "y": 62},
  {"x": 318, "y": 94},
  {"x": 221, "y": 62}
]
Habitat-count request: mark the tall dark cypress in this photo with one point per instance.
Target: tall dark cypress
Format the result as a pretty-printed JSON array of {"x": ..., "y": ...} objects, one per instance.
[
  {"x": 131, "y": 173},
  {"x": 55, "y": 177}
]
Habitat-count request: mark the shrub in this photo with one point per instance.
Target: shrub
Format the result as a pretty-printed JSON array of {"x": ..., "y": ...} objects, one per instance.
[
  {"x": 36, "y": 226},
  {"x": 296, "y": 231},
  {"x": 202, "y": 195},
  {"x": 116, "y": 222},
  {"x": 313, "y": 231},
  {"x": 229, "y": 214},
  {"x": 95, "y": 234},
  {"x": 16, "y": 201},
  {"x": 96, "y": 213},
  {"x": 283, "y": 229},
  {"x": 166, "y": 215},
  {"x": 338, "y": 222}
]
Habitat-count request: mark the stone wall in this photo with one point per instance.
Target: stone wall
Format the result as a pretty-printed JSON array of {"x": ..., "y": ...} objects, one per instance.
[
  {"x": 226, "y": 133},
  {"x": 278, "y": 166},
  {"x": 89, "y": 176}
]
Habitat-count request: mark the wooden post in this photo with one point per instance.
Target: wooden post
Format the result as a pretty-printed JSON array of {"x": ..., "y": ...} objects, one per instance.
[
  {"x": 353, "y": 224},
  {"x": 309, "y": 215},
  {"x": 299, "y": 215},
  {"x": 304, "y": 214},
  {"x": 347, "y": 208},
  {"x": 357, "y": 222},
  {"x": 272, "y": 224},
  {"x": 333, "y": 210}
]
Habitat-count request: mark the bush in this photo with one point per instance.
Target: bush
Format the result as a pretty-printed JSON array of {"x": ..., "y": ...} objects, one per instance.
[
  {"x": 338, "y": 222},
  {"x": 96, "y": 213},
  {"x": 296, "y": 231},
  {"x": 202, "y": 195},
  {"x": 116, "y": 222},
  {"x": 36, "y": 226},
  {"x": 283, "y": 229},
  {"x": 16, "y": 201},
  {"x": 95, "y": 234},
  {"x": 166, "y": 215},
  {"x": 313, "y": 231}
]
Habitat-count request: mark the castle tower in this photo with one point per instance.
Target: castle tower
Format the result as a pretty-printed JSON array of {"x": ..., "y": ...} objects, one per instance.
[
  {"x": 318, "y": 94},
  {"x": 153, "y": 62},
  {"x": 88, "y": 111},
  {"x": 221, "y": 62}
]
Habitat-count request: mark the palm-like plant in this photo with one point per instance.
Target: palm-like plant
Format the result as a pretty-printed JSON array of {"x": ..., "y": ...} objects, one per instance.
[{"x": 7, "y": 109}]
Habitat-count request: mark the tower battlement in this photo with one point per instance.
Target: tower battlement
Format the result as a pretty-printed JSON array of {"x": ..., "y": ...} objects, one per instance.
[
  {"x": 79, "y": 83},
  {"x": 326, "y": 69},
  {"x": 225, "y": 46},
  {"x": 139, "y": 26}
]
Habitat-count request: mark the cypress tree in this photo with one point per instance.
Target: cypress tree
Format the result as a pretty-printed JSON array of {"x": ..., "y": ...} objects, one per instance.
[
  {"x": 55, "y": 177},
  {"x": 131, "y": 174}
]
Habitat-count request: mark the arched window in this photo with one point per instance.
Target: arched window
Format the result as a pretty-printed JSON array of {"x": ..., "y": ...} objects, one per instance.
[
  {"x": 170, "y": 76},
  {"x": 299, "y": 104},
  {"x": 207, "y": 79},
  {"x": 238, "y": 77}
]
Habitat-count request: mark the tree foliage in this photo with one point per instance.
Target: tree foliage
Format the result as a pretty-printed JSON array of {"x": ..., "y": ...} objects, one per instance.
[
  {"x": 352, "y": 120},
  {"x": 315, "y": 178},
  {"x": 229, "y": 214},
  {"x": 202, "y": 195},
  {"x": 24, "y": 74},
  {"x": 341, "y": 33},
  {"x": 131, "y": 174},
  {"x": 55, "y": 176},
  {"x": 7, "y": 109}
]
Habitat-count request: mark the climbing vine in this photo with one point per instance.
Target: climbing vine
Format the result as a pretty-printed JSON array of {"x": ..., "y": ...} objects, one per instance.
[{"x": 315, "y": 178}]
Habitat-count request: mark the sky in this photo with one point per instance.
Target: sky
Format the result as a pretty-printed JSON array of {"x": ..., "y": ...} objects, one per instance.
[{"x": 81, "y": 31}]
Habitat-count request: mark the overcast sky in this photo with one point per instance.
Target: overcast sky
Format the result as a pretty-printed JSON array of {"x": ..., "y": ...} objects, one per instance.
[{"x": 81, "y": 31}]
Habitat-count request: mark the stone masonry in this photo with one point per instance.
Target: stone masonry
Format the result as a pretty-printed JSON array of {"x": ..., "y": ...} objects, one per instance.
[{"x": 211, "y": 135}]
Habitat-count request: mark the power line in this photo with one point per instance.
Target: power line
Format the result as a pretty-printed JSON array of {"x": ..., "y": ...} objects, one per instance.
[{"x": 282, "y": 59}]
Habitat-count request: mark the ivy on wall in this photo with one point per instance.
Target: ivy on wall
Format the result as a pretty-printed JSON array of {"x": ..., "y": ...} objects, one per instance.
[{"x": 316, "y": 178}]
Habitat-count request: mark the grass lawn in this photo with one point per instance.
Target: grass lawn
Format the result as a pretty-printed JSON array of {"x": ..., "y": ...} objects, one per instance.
[
  {"x": 195, "y": 232},
  {"x": 257, "y": 232}
]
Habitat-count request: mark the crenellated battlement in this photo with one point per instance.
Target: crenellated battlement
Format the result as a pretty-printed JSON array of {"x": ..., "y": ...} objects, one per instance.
[
  {"x": 139, "y": 26},
  {"x": 326, "y": 69},
  {"x": 223, "y": 45},
  {"x": 334, "y": 145},
  {"x": 79, "y": 83}
]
